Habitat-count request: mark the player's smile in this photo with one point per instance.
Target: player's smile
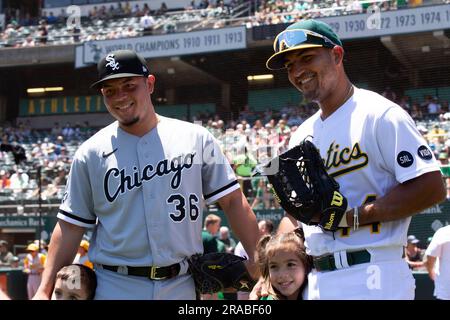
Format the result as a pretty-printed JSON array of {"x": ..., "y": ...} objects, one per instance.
[
  {"x": 126, "y": 112},
  {"x": 307, "y": 77},
  {"x": 307, "y": 82},
  {"x": 124, "y": 109}
]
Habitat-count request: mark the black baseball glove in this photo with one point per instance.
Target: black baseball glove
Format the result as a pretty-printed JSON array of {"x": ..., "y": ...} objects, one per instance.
[
  {"x": 214, "y": 272},
  {"x": 303, "y": 187}
]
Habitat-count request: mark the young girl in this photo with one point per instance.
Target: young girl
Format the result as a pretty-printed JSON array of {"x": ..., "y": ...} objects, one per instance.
[{"x": 284, "y": 265}]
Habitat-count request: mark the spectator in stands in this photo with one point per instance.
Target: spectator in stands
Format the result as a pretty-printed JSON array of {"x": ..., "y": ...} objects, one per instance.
[
  {"x": 191, "y": 5},
  {"x": 62, "y": 16},
  {"x": 27, "y": 20},
  {"x": 282, "y": 128},
  {"x": 48, "y": 190},
  {"x": 424, "y": 105},
  {"x": 29, "y": 42},
  {"x": 129, "y": 32},
  {"x": 209, "y": 234},
  {"x": 43, "y": 32},
  {"x": 6, "y": 256},
  {"x": 59, "y": 144},
  {"x": 146, "y": 9},
  {"x": 82, "y": 254},
  {"x": 76, "y": 33},
  {"x": 60, "y": 179},
  {"x": 68, "y": 131},
  {"x": 102, "y": 13},
  {"x": 221, "y": 126},
  {"x": 147, "y": 22},
  {"x": 388, "y": 93},
  {"x": 51, "y": 19},
  {"x": 127, "y": 9},
  {"x": 404, "y": 103},
  {"x": 295, "y": 119},
  {"x": 5, "y": 182},
  {"x": 434, "y": 108},
  {"x": 162, "y": 9},
  {"x": 93, "y": 14},
  {"x": 170, "y": 27},
  {"x": 261, "y": 192},
  {"x": 15, "y": 262},
  {"x": 243, "y": 164},
  {"x": 355, "y": 6},
  {"x": 56, "y": 129},
  {"x": 224, "y": 236},
  {"x": 19, "y": 181},
  {"x": 111, "y": 12},
  {"x": 416, "y": 112},
  {"x": 43, "y": 246},
  {"x": 33, "y": 266},
  {"x": 211, "y": 243},
  {"x": 413, "y": 254}
]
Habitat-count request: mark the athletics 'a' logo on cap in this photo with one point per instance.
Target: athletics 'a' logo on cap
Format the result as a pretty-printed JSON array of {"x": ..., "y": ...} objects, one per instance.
[
  {"x": 283, "y": 45},
  {"x": 112, "y": 62}
]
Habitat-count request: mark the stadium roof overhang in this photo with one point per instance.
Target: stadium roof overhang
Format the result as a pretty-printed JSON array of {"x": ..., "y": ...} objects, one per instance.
[{"x": 420, "y": 51}]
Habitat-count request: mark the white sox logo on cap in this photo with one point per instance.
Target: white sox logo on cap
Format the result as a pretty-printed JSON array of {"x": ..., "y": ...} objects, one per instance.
[{"x": 112, "y": 62}]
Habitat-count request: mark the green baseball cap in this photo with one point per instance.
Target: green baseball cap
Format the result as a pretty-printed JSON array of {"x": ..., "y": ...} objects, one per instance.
[{"x": 301, "y": 35}]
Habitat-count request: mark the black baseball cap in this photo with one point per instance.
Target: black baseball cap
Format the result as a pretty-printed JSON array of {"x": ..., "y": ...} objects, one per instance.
[
  {"x": 121, "y": 64},
  {"x": 301, "y": 35}
]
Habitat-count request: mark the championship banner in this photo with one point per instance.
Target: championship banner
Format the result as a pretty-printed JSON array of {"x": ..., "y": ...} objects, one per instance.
[
  {"x": 384, "y": 23},
  {"x": 175, "y": 44}
]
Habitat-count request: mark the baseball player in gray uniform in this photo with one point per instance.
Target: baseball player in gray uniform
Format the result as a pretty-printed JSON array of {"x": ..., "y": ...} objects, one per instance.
[{"x": 140, "y": 183}]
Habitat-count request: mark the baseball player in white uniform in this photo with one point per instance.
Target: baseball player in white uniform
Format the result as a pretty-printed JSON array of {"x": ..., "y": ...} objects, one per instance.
[
  {"x": 385, "y": 169},
  {"x": 140, "y": 183}
]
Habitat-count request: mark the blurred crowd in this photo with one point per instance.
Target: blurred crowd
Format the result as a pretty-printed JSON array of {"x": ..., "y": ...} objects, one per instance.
[
  {"x": 122, "y": 20},
  {"x": 251, "y": 139},
  {"x": 118, "y": 20}
]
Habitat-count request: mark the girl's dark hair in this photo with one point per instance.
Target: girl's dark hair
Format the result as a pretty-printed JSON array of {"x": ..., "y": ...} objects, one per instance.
[{"x": 268, "y": 245}]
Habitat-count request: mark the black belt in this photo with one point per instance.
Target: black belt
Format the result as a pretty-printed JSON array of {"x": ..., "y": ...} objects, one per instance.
[
  {"x": 151, "y": 272},
  {"x": 327, "y": 263}
]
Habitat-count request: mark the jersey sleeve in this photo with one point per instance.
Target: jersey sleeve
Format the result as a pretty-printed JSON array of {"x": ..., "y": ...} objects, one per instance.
[
  {"x": 404, "y": 150},
  {"x": 77, "y": 204},
  {"x": 218, "y": 178}
]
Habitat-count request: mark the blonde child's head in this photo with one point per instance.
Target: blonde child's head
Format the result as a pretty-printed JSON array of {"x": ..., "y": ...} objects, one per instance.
[{"x": 284, "y": 264}]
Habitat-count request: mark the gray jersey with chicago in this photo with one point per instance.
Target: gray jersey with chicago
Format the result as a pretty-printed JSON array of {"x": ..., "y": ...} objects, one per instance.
[{"x": 144, "y": 194}]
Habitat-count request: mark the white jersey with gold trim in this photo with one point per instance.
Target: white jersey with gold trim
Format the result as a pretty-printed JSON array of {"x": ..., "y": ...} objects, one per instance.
[{"x": 370, "y": 145}]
